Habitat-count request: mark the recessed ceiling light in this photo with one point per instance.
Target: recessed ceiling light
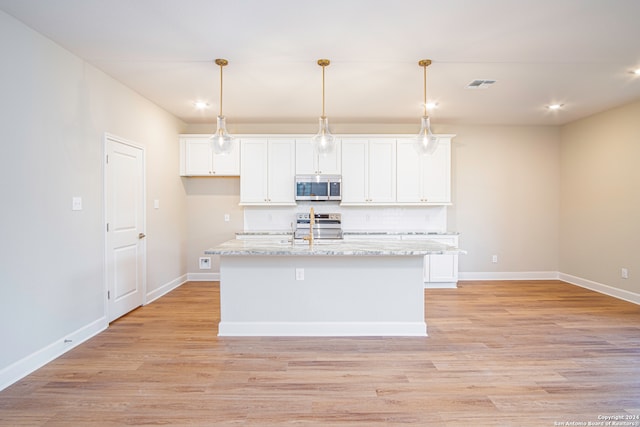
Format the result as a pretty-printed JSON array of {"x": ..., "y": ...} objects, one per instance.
[
  {"x": 201, "y": 105},
  {"x": 636, "y": 72},
  {"x": 432, "y": 105},
  {"x": 555, "y": 107}
]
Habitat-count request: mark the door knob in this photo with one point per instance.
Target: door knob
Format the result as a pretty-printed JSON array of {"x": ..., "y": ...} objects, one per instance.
[{"x": 141, "y": 236}]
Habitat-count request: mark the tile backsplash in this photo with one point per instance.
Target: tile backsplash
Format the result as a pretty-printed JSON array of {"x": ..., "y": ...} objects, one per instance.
[{"x": 354, "y": 218}]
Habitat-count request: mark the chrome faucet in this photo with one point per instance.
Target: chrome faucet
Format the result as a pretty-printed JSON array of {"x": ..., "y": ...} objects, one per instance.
[{"x": 312, "y": 222}]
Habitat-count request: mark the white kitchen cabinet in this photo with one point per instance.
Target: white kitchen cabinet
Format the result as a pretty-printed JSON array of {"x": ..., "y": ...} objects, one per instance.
[
  {"x": 267, "y": 171},
  {"x": 368, "y": 171},
  {"x": 198, "y": 159},
  {"x": 424, "y": 179},
  {"x": 308, "y": 162},
  {"x": 440, "y": 270}
]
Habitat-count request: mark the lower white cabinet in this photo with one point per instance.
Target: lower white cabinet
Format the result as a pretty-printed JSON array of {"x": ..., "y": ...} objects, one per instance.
[{"x": 441, "y": 270}]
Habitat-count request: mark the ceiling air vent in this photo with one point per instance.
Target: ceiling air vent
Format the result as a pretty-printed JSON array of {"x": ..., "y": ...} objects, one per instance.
[{"x": 480, "y": 84}]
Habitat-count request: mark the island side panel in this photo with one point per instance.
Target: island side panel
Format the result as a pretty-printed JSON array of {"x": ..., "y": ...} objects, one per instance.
[{"x": 339, "y": 296}]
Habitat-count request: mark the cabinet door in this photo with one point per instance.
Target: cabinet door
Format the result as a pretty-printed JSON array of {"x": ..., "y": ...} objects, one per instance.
[
  {"x": 197, "y": 152},
  {"x": 409, "y": 177},
  {"x": 281, "y": 171},
  {"x": 227, "y": 164},
  {"x": 305, "y": 158},
  {"x": 443, "y": 268},
  {"x": 253, "y": 171},
  {"x": 355, "y": 170},
  {"x": 382, "y": 170},
  {"x": 310, "y": 163},
  {"x": 436, "y": 174},
  {"x": 330, "y": 163}
]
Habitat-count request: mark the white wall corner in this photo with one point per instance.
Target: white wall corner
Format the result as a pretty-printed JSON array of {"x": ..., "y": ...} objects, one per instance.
[
  {"x": 165, "y": 289},
  {"x": 601, "y": 288}
]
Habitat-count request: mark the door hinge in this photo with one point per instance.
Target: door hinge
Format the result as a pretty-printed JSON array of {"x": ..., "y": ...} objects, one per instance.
[
  {"x": 107, "y": 159},
  {"x": 107, "y": 227},
  {"x": 108, "y": 294}
]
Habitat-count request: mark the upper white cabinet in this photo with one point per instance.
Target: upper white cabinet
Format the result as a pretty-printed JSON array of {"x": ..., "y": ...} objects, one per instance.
[
  {"x": 267, "y": 171},
  {"x": 424, "y": 179},
  {"x": 368, "y": 171},
  {"x": 308, "y": 162},
  {"x": 198, "y": 159}
]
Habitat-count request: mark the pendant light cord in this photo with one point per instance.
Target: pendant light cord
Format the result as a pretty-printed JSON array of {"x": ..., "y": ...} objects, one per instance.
[
  {"x": 221, "y": 90},
  {"x": 221, "y": 62},
  {"x": 424, "y": 63},
  {"x": 425, "y": 90},
  {"x": 323, "y": 63},
  {"x": 323, "y": 91}
]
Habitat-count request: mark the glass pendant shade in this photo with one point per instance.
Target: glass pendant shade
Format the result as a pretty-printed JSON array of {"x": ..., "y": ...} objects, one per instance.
[
  {"x": 221, "y": 141},
  {"x": 323, "y": 141},
  {"x": 425, "y": 142}
]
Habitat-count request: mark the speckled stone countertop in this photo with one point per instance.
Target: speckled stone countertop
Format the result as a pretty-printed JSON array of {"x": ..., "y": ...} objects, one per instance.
[
  {"x": 268, "y": 233},
  {"x": 351, "y": 247}
]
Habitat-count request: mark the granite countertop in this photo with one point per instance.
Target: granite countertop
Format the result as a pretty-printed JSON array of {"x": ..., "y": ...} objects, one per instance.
[
  {"x": 351, "y": 247},
  {"x": 399, "y": 233},
  {"x": 268, "y": 233}
]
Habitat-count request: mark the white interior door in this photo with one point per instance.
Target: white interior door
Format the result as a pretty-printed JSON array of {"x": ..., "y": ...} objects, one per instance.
[{"x": 125, "y": 245}]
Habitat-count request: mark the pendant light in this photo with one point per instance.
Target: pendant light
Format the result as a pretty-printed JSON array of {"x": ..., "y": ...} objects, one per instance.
[
  {"x": 323, "y": 141},
  {"x": 425, "y": 142},
  {"x": 221, "y": 141}
]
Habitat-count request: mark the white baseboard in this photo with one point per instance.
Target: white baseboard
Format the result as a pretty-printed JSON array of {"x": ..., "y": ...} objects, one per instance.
[
  {"x": 601, "y": 288},
  {"x": 165, "y": 289},
  {"x": 203, "y": 277},
  {"x": 38, "y": 359},
  {"x": 440, "y": 285},
  {"x": 322, "y": 329},
  {"x": 509, "y": 275},
  {"x": 554, "y": 275}
]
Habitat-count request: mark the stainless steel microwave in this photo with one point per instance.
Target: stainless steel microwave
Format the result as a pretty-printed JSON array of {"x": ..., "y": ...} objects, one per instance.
[{"x": 318, "y": 187}]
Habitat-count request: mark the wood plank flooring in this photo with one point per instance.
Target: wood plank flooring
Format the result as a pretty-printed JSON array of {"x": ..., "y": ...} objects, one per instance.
[{"x": 539, "y": 353}]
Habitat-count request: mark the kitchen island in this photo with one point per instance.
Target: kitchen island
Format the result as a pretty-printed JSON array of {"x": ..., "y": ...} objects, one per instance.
[{"x": 346, "y": 288}]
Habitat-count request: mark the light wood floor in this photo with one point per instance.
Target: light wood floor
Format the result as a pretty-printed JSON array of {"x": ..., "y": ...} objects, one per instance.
[{"x": 499, "y": 354}]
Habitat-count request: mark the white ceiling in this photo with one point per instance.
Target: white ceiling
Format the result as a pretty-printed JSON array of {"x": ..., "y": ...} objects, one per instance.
[{"x": 576, "y": 52}]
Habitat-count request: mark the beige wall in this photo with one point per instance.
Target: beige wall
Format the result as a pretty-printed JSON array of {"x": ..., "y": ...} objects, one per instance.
[
  {"x": 506, "y": 197},
  {"x": 600, "y": 190},
  {"x": 55, "y": 110},
  {"x": 208, "y": 200}
]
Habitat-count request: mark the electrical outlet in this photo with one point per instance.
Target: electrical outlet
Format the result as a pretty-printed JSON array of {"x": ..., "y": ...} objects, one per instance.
[
  {"x": 227, "y": 217},
  {"x": 624, "y": 273},
  {"x": 205, "y": 263},
  {"x": 299, "y": 273},
  {"x": 494, "y": 259}
]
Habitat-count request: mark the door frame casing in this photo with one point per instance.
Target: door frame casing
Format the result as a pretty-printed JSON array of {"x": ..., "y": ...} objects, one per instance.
[{"x": 105, "y": 141}]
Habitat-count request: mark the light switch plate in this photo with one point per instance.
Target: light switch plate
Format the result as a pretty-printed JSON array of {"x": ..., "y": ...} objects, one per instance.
[{"x": 76, "y": 203}]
